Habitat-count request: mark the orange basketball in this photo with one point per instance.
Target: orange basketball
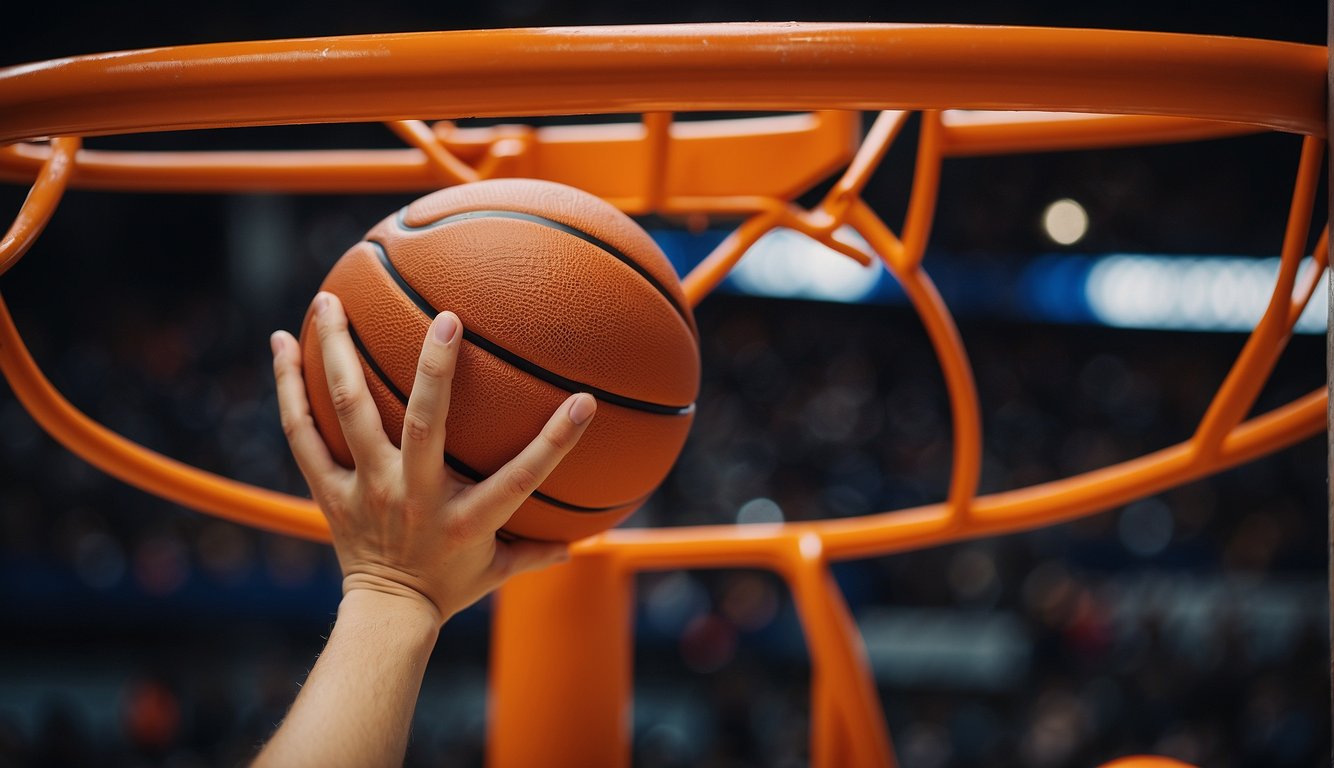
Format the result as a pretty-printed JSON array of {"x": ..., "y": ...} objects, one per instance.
[{"x": 558, "y": 292}]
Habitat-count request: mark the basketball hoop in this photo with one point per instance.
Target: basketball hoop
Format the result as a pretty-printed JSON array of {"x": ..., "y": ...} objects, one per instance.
[{"x": 979, "y": 90}]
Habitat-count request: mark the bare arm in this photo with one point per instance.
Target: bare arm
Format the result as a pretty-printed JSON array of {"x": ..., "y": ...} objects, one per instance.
[
  {"x": 415, "y": 545},
  {"x": 357, "y": 703}
]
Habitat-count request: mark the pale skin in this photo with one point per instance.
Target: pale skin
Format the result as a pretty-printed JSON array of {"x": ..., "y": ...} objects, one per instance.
[{"x": 415, "y": 545}]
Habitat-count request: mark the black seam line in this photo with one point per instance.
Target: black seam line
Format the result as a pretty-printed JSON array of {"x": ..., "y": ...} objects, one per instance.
[
  {"x": 524, "y": 364},
  {"x": 453, "y": 461},
  {"x": 612, "y": 250},
  {"x": 505, "y": 535},
  {"x": 374, "y": 366}
]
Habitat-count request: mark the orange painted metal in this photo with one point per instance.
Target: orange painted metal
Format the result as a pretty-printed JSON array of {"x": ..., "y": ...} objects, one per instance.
[
  {"x": 667, "y": 68},
  {"x": 713, "y": 162},
  {"x": 970, "y": 133},
  {"x": 144, "y": 468},
  {"x": 561, "y": 670},
  {"x": 41, "y": 203},
  {"x": 562, "y": 659}
]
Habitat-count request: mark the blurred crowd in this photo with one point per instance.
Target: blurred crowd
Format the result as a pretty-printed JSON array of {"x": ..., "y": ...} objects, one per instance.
[{"x": 1191, "y": 624}]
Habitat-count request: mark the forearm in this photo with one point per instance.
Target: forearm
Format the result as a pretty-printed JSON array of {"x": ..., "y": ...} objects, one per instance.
[
  {"x": 356, "y": 706},
  {"x": 415, "y": 544}
]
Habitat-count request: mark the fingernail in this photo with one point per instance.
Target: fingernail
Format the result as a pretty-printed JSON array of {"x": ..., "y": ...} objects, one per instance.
[
  {"x": 582, "y": 408},
  {"x": 445, "y": 326},
  {"x": 275, "y": 342},
  {"x": 321, "y": 302}
]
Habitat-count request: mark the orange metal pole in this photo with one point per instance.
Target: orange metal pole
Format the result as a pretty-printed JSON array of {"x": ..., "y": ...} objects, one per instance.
[
  {"x": 561, "y": 665},
  {"x": 720, "y": 546},
  {"x": 667, "y": 68},
  {"x": 730, "y": 161},
  {"x": 833, "y": 210},
  {"x": 978, "y": 133},
  {"x": 1251, "y": 370},
  {"x": 714, "y": 268},
  {"x": 965, "y": 410},
  {"x": 1319, "y": 261},
  {"x": 847, "y": 721},
  {"x": 138, "y": 466},
  {"x": 41, "y": 203},
  {"x": 965, "y": 134},
  {"x": 925, "y": 190},
  {"x": 450, "y": 169},
  {"x": 657, "y": 135}
]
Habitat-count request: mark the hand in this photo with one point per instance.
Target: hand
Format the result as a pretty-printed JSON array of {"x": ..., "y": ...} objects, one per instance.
[{"x": 401, "y": 524}]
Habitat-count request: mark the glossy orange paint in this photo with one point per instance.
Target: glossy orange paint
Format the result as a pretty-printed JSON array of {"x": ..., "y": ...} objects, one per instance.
[
  {"x": 565, "y": 699},
  {"x": 1146, "y": 762},
  {"x": 41, "y": 203}
]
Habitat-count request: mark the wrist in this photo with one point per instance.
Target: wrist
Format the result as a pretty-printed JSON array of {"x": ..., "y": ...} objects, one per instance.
[{"x": 404, "y": 607}]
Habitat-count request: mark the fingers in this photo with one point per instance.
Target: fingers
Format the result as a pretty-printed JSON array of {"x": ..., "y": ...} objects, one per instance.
[
  {"x": 424, "y": 422},
  {"x": 352, "y": 402},
  {"x": 312, "y": 455},
  {"x": 515, "y": 557},
  {"x": 492, "y": 501}
]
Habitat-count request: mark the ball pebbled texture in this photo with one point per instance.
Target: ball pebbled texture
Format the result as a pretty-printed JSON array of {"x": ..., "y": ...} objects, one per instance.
[{"x": 558, "y": 292}]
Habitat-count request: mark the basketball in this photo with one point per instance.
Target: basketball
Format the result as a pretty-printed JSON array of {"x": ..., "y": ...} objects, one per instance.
[{"x": 558, "y": 292}]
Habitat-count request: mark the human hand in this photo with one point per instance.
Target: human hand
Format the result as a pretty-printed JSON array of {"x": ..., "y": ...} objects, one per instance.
[{"x": 403, "y": 526}]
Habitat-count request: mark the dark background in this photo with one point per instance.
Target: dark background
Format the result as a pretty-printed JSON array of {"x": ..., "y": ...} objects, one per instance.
[{"x": 1191, "y": 624}]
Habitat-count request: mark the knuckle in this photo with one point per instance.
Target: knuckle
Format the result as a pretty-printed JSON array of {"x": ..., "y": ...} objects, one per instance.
[
  {"x": 433, "y": 366},
  {"x": 416, "y": 428},
  {"x": 344, "y": 398},
  {"x": 555, "y": 440},
  {"x": 333, "y": 507},
  {"x": 293, "y": 424},
  {"x": 459, "y": 527},
  {"x": 519, "y": 481},
  {"x": 378, "y": 492},
  {"x": 416, "y": 506}
]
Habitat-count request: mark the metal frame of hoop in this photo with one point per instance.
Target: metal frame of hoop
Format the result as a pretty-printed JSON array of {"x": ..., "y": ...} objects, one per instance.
[{"x": 1110, "y": 89}]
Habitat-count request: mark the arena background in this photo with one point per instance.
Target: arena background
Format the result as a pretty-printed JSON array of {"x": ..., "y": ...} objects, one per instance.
[{"x": 1192, "y": 624}]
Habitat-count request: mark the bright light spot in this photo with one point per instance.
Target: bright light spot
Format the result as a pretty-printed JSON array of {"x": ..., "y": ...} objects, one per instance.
[
  {"x": 788, "y": 264},
  {"x": 1195, "y": 293},
  {"x": 759, "y": 511},
  {"x": 1316, "y": 316},
  {"x": 1066, "y": 221},
  {"x": 810, "y": 545}
]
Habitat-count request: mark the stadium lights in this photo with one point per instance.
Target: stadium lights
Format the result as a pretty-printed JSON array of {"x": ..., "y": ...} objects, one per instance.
[
  {"x": 1204, "y": 293},
  {"x": 1065, "y": 221},
  {"x": 788, "y": 264},
  {"x": 1123, "y": 290}
]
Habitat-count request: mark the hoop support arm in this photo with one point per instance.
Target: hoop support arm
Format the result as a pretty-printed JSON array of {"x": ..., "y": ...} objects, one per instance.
[
  {"x": 141, "y": 467},
  {"x": 992, "y": 514},
  {"x": 965, "y": 133},
  {"x": 1238, "y": 391},
  {"x": 41, "y": 203}
]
